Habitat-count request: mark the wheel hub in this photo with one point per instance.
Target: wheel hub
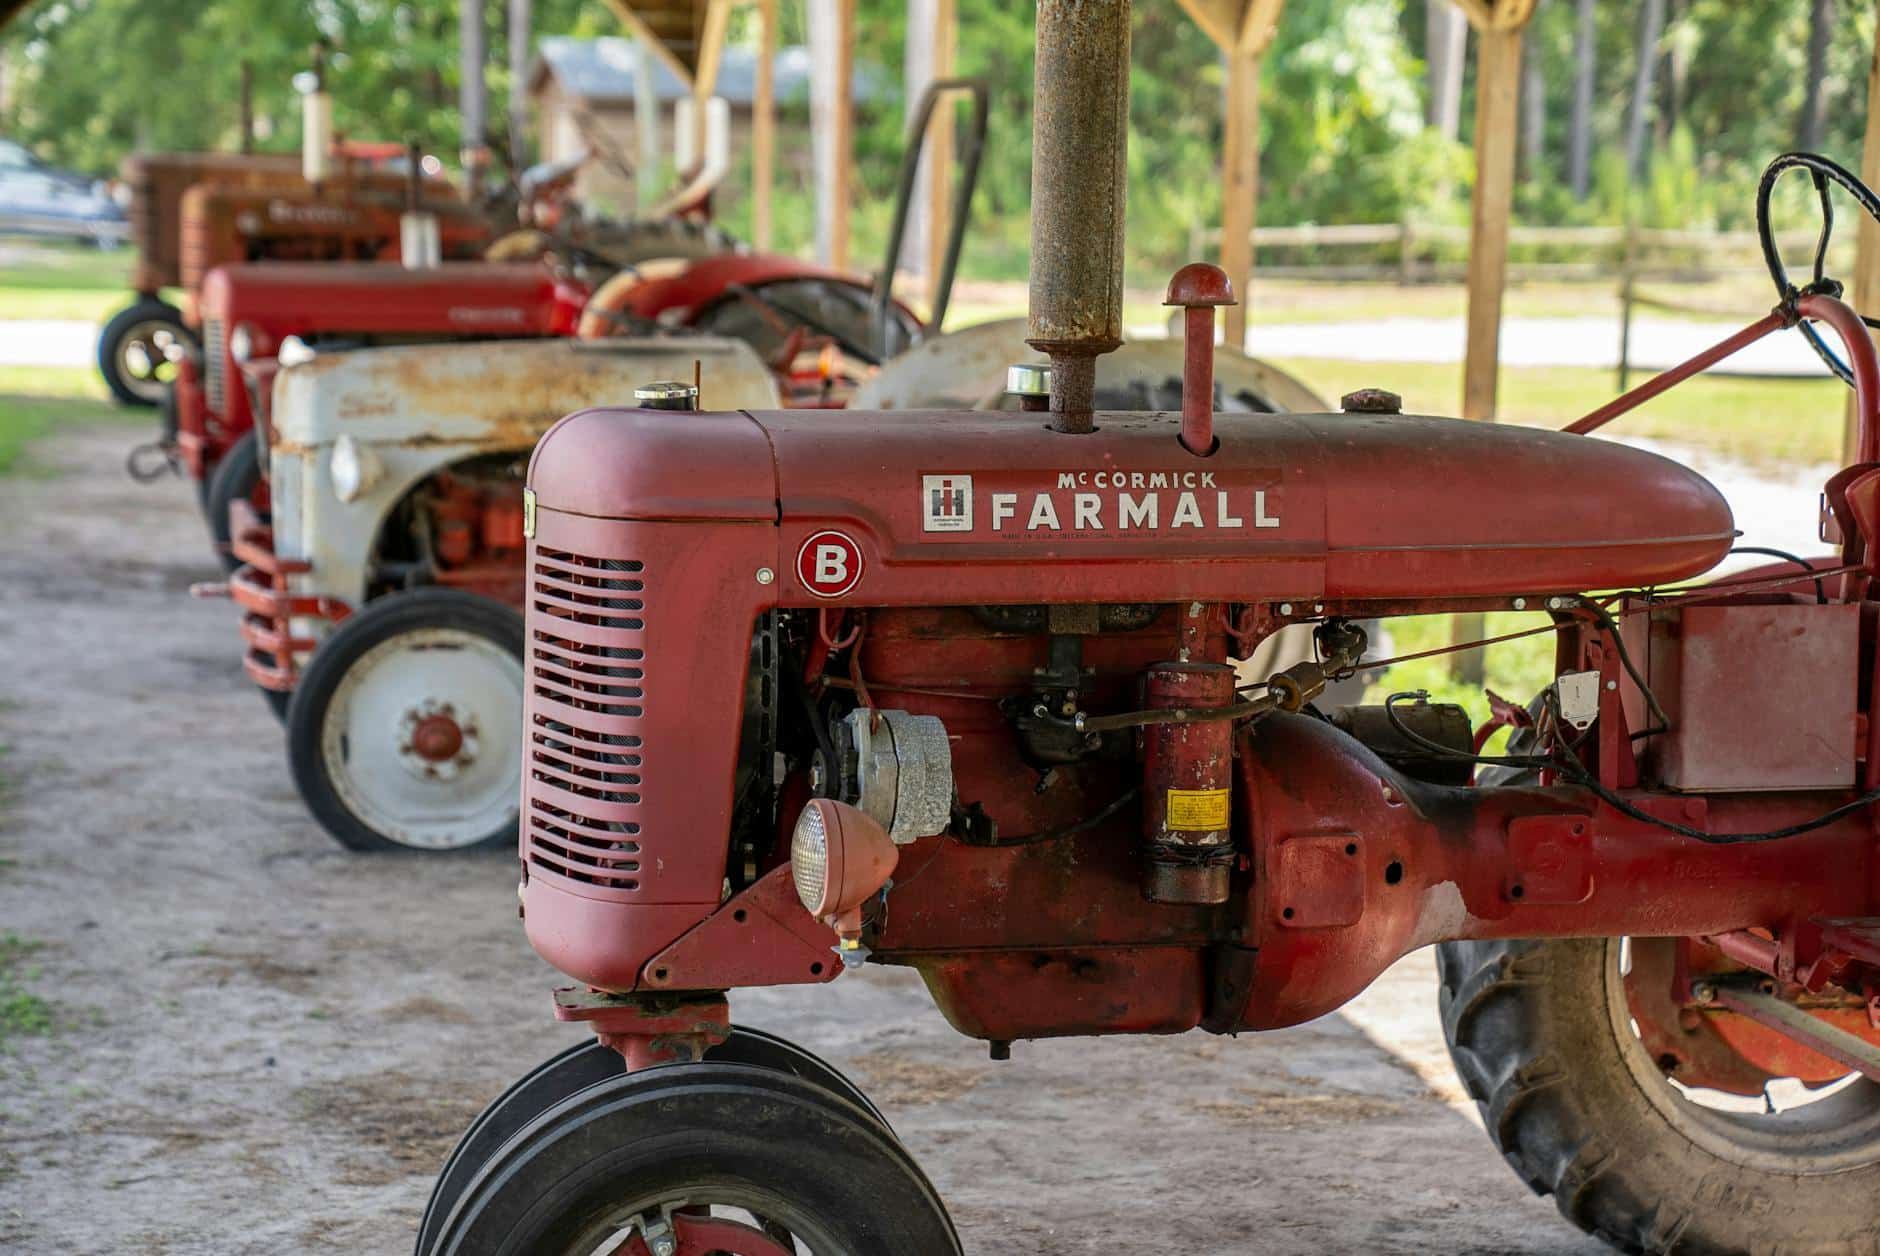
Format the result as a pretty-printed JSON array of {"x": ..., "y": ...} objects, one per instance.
[
  {"x": 434, "y": 743},
  {"x": 682, "y": 1234}
]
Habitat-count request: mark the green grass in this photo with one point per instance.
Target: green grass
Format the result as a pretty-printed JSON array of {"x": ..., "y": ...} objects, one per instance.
[
  {"x": 1763, "y": 422},
  {"x": 37, "y": 400},
  {"x": 47, "y": 281},
  {"x": 22, "y": 1013}
]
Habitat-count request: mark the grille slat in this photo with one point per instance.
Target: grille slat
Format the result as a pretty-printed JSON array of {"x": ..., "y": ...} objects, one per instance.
[
  {"x": 214, "y": 365},
  {"x": 588, "y": 689}
]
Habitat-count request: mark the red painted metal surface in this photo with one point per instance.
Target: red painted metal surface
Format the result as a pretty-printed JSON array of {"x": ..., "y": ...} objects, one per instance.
[
  {"x": 662, "y": 539},
  {"x": 1290, "y": 507}
]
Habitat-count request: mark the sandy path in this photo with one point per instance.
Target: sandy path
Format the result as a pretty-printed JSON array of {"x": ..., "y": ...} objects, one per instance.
[{"x": 267, "y": 1043}]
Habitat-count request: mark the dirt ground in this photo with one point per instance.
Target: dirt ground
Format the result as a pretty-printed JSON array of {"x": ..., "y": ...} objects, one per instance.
[{"x": 263, "y": 1042}]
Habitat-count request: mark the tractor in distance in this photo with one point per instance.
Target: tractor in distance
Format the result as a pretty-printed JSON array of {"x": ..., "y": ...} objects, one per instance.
[{"x": 955, "y": 690}]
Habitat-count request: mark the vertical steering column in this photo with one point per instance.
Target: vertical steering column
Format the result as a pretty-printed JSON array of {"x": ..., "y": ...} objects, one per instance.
[{"x": 1080, "y": 141}]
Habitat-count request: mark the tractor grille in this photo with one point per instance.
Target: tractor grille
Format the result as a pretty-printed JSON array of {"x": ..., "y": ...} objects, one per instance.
[
  {"x": 214, "y": 365},
  {"x": 586, "y": 620}
]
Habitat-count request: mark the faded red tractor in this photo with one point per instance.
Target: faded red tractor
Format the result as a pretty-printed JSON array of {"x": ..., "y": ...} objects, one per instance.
[{"x": 956, "y": 691}]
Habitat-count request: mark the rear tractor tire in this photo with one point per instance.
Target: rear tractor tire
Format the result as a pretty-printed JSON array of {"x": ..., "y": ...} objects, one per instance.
[
  {"x": 405, "y": 729},
  {"x": 1542, "y": 1038},
  {"x": 139, "y": 348},
  {"x": 691, "y": 1159}
]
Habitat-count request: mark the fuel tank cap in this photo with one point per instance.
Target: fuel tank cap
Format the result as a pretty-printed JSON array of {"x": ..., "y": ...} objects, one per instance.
[{"x": 666, "y": 394}]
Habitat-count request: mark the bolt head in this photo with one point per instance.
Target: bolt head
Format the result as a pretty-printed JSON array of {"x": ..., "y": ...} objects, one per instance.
[
  {"x": 765, "y": 575},
  {"x": 1520, "y": 603},
  {"x": 1285, "y": 608}
]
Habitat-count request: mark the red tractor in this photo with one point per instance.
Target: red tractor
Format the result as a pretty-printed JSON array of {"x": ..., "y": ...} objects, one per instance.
[{"x": 956, "y": 691}]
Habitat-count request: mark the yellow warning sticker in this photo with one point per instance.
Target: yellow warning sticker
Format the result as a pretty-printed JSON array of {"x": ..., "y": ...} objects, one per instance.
[{"x": 1195, "y": 809}]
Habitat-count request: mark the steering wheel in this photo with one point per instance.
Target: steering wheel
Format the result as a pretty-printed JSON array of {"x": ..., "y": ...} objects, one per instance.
[{"x": 1824, "y": 173}]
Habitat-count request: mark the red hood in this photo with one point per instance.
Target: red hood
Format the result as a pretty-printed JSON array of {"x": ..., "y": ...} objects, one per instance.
[{"x": 458, "y": 298}]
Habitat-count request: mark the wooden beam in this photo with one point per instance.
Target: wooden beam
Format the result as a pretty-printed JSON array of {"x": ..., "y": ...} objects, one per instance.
[
  {"x": 637, "y": 27},
  {"x": 716, "y": 22},
  {"x": 1867, "y": 260},
  {"x": 1219, "y": 20},
  {"x": 832, "y": 123},
  {"x": 1243, "y": 30},
  {"x": 1240, "y": 185},
  {"x": 764, "y": 126},
  {"x": 1497, "y": 95}
]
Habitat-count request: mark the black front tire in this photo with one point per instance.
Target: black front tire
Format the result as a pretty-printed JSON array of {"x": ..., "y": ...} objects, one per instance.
[
  {"x": 697, "y": 1135},
  {"x": 236, "y": 478},
  {"x": 571, "y": 1071},
  {"x": 141, "y": 328},
  {"x": 428, "y": 624},
  {"x": 1539, "y": 1035}
]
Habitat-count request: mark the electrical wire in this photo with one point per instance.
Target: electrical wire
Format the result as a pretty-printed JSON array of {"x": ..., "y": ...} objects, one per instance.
[
  {"x": 1821, "y": 585},
  {"x": 1574, "y": 770}
]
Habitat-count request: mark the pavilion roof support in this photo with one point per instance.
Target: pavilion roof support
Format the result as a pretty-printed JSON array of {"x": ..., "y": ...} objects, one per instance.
[
  {"x": 764, "y": 125},
  {"x": 1867, "y": 264},
  {"x": 1243, "y": 30},
  {"x": 832, "y": 123},
  {"x": 1499, "y": 25}
]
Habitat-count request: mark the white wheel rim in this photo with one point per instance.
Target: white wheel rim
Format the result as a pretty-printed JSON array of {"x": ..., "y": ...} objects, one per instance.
[
  {"x": 395, "y": 761},
  {"x": 147, "y": 355}
]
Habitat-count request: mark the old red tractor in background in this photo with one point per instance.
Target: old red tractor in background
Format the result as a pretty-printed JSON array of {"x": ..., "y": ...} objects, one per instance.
[
  {"x": 956, "y": 691},
  {"x": 191, "y": 212}
]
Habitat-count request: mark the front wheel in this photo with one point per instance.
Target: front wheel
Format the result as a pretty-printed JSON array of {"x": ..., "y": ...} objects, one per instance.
[
  {"x": 580, "y": 1066},
  {"x": 1543, "y": 1038},
  {"x": 690, "y": 1159},
  {"x": 405, "y": 731},
  {"x": 237, "y": 477},
  {"x": 139, "y": 348}
]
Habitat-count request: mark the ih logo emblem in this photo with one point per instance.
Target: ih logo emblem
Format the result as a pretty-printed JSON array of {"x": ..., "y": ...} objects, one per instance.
[
  {"x": 946, "y": 503},
  {"x": 829, "y": 564}
]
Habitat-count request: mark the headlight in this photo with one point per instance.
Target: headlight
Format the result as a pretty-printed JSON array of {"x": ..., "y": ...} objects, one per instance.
[
  {"x": 242, "y": 344},
  {"x": 839, "y": 858},
  {"x": 809, "y": 859},
  {"x": 294, "y": 352},
  {"x": 353, "y": 468}
]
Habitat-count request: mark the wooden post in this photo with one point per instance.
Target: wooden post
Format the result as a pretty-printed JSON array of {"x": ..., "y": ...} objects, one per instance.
[
  {"x": 711, "y": 50},
  {"x": 1497, "y": 94},
  {"x": 932, "y": 27},
  {"x": 472, "y": 100},
  {"x": 1240, "y": 185},
  {"x": 1498, "y": 25},
  {"x": 520, "y": 23},
  {"x": 764, "y": 126},
  {"x": 1243, "y": 30},
  {"x": 832, "y": 123},
  {"x": 1867, "y": 262}
]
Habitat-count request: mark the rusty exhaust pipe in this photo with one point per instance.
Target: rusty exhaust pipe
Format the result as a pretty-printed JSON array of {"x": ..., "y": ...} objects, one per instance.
[{"x": 1079, "y": 142}]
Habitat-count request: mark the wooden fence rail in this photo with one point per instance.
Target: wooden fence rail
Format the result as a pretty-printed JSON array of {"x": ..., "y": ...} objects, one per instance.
[{"x": 1411, "y": 252}]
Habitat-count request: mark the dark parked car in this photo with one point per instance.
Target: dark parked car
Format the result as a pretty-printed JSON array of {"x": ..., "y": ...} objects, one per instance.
[{"x": 42, "y": 200}]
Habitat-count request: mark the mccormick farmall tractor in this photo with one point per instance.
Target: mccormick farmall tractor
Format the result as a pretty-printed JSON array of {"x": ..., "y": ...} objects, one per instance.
[{"x": 954, "y": 690}]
